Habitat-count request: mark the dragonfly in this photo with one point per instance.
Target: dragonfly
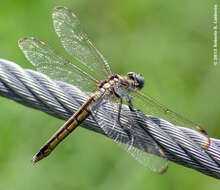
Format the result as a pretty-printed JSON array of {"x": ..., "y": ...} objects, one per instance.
[{"x": 104, "y": 87}]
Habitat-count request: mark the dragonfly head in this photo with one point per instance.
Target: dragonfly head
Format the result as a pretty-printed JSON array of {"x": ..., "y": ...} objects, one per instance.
[{"x": 137, "y": 79}]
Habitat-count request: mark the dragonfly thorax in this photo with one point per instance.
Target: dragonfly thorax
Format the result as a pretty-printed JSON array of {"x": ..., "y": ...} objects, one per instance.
[{"x": 120, "y": 86}]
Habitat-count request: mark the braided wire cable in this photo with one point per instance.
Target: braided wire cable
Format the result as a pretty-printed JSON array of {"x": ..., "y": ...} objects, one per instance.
[{"x": 180, "y": 145}]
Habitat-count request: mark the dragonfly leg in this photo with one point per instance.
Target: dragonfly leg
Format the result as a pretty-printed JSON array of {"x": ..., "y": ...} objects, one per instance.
[
  {"x": 119, "y": 111},
  {"x": 130, "y": 105},
  {"x": 127, "y": 131}
]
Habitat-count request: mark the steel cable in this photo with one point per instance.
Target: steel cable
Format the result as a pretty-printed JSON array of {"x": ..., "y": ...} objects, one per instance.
[{"x": 181, "y": 145}]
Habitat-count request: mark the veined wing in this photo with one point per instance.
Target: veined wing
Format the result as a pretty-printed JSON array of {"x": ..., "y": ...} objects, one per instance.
[
  {"x": 77, "y": 43},
  {"x": 48, "y": 61},
  {"x": 130, "y": 135},
  {"x": 151, "y": 106}
]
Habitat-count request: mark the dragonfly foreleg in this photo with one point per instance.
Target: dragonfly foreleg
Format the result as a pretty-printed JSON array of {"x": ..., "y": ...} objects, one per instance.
[
  {"x": 130, "y": 105},
  {"x": 119, "y": 111}
]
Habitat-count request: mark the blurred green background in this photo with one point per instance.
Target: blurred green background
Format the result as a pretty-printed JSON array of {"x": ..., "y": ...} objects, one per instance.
[{"x": 169, "y": 42}]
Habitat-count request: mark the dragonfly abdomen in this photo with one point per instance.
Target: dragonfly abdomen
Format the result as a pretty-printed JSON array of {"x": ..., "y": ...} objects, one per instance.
[{"x": 75, "y": 120}]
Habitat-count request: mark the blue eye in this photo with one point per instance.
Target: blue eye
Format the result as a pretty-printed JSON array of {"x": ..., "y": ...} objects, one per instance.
[
  {"x": 140, "y": 80},
  {"x": 137, "y": 78}
]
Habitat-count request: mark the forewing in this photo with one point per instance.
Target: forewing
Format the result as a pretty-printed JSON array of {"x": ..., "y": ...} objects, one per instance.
[
  {"x": 77, "y": 43},
  {"x": 129, "y": 135},
  {"x": 48, "y": 61}
]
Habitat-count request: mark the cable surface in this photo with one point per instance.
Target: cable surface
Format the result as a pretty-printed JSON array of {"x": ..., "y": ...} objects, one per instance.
[{"x": 180, "y": 145}]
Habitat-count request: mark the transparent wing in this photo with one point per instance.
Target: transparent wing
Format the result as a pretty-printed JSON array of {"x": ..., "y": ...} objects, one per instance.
[
  {"x": 48, "y": 61},
  {"x": 150, "y": 106},
  {"x": 129, "y": 135},
  {"x": 77, "y": 44}
]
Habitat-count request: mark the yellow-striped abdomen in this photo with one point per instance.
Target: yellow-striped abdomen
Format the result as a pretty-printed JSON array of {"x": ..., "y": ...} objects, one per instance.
[{"x": 65, "y": 130}]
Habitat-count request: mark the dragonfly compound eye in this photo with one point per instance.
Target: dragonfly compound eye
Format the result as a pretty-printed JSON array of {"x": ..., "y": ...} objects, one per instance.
[{"x": 140, "y": 81}]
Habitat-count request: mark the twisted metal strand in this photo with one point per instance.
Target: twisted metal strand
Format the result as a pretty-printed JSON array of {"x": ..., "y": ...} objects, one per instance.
[{"x": 180, "y": 145}]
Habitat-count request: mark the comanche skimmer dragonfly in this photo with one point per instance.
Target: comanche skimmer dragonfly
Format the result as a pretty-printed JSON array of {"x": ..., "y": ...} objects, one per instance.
[{"x": 95, "y": 74}]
